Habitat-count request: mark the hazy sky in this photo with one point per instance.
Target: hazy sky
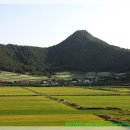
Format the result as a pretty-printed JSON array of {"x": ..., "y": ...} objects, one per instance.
[{"x": 47, "y": 22}]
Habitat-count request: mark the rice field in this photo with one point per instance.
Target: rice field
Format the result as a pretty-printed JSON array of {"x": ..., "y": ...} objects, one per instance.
[
  {"x": 5, "y": 91},
  {"x": 50, "y": 120},
  {"x": 19, "y": 106},
  {"x": 73, "y": 91},
  {"x": 31, "y": 105},
  {"x": 99, "y": 101},
  {"x": 117, "y": 89}
]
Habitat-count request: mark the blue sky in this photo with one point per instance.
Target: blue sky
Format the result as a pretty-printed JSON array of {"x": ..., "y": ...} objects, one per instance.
[{"x": 48, "y": 22}]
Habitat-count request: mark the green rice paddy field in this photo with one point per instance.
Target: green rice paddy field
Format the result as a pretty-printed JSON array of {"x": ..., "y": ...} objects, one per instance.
[
  {"x": 20, "y": 106},
  {"x": 99, "y": 101},
  {"x": 73, "y": 91}
]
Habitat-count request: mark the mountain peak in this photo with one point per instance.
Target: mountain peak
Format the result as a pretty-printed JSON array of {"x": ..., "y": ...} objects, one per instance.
[
  {"x": 82, "y": 34},
  {"x": 82, "y": 37}
]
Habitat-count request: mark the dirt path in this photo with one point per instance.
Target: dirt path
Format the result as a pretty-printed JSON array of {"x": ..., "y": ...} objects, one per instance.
[
  {"x": 78, "y": 107},
  {"x": 73, "y": 105},
  {"x": 117, "y": 120},
  {"x": 107, "y": 117}
]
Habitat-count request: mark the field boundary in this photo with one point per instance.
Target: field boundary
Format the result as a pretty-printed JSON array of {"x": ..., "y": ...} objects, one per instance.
[
  {"x": 107, "y": 117},
  {"x": 16, "y": 95},
  {"x": 117, "y": 120},
  {"x": 76, "y": 106}
]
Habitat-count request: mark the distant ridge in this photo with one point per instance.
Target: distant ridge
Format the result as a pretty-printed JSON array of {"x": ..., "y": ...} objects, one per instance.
[{"x": 81, "y": 51}]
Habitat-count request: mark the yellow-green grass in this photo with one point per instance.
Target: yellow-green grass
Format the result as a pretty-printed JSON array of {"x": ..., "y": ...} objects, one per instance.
[
  {"x": 14, "y": 91},
  {"x": 121, "y": 89},
  {"x": 52, "y": 120},
  {"x": 35, "y": 105},
  {"x": 72, "y": 91},
  {"x": 38, "y": 110},
  {"x": 24, "y": 107},
  {"x": 9, "y": 76},
  {"x": 99, "y": 101}
]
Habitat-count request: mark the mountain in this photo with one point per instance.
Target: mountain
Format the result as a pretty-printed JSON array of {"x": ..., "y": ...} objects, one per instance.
[
  {"x": 79, "y": 52},
  {"x": 83, "y": 52}
]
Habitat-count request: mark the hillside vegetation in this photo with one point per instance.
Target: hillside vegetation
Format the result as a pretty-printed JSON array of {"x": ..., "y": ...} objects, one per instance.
[
  {"x": 83, "y": 52},
  {"x": 79, "y": 52}
]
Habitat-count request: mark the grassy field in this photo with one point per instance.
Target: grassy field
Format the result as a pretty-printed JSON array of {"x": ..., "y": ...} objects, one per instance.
[
  {"x": 31, "y": 105},
  {"x": 73, "y": 91},
  {"x": 99, "y": 101},
  {"x": 5, "y": 91},
  {"x": 80, "y": 75},
  {"x": 117, "y": 89},
  {"x": 20, "y": 106},
  {"x": 9, "y": 76},
  {"x": 51, "y": 120}
]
